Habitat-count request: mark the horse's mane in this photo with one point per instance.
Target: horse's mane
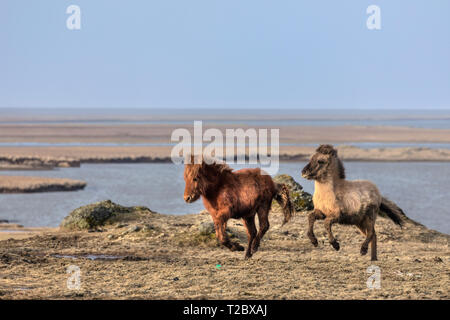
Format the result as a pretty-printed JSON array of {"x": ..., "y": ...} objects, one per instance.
[
  {"x": 329, "y": 149},
  {"x": 341, "y": 169},
  {"x": 218, "y": 167},
  {"x": 208, "y": 172}
]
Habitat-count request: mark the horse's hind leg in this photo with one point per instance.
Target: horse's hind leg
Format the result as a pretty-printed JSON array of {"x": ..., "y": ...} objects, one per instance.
[
  {"x": 365, "y": 246},
  {"x": 249, "y": 223},
  {"x": 370, "y": 232},
  {"x": 312, "y": 217},
  {"x": 263, "y": 218},
  {"x": 369, "y": 226},
  {"x": 373, "y": 247},
  {"x": 329, "y": 221}
]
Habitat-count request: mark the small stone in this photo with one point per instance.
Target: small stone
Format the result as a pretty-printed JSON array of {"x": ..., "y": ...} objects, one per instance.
[
  {"x": 146, "y": 228},
  {"x": 206, "y": 228},
  {"x": 437, "y": 259},
  {"x": 133, "y": 229},
  {"x": 176, "y": 279}
]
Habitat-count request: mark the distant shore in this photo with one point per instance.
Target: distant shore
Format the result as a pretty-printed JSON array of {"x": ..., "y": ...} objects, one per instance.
[
  {"x": 26, "y": 184},
  {"x": 297, "y": 143},
  {"x": 42, "y": 158}
]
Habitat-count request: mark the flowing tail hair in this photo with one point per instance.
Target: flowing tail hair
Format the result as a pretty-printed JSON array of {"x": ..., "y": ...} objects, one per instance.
[
  {"x": 284, "y": 200},
  {"x": 392, "y": 211}
]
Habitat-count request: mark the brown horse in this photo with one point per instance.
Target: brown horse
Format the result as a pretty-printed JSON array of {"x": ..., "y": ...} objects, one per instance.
[
  {"x": 346, "y": 202},
  {"x": 235, "y": 194}
]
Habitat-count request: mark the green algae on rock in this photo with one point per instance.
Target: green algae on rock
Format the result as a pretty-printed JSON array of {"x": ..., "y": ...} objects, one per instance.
[
  {"x": 101, "y": 213},
  {"x": 301, "y": 200}
]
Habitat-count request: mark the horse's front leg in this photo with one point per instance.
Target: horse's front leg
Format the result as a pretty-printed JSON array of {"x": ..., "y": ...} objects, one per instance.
[
  {"x": 329, "y": 221},
  {"x": 312, "y": 217},
  {"x": 220, "y": 224}
]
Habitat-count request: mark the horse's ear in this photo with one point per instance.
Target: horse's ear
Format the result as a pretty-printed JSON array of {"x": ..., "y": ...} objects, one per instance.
[
  {"x": 327, "y": 149},
  {"x": 188, "y": 159}
]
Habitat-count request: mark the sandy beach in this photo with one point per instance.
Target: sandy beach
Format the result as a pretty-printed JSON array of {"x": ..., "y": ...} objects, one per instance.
[{"x": 159, "y": 256}]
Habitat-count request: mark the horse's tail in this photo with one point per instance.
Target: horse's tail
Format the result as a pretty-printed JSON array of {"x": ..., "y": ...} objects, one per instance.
[
  {"x": 392, "y": 211},
  {"x": 284, "y": 200}
]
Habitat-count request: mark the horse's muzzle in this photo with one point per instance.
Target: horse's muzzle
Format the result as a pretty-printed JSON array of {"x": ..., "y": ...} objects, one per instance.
[
  {"x": 190, "y": 198},
  {"x": 307, "y": 175}
]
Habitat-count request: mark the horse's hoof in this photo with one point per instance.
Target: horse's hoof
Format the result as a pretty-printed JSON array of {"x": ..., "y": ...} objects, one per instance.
[
  {"x": 363, "y": 251},
  {"x": 313, "y": 240},
  {"x": 255, "y": 249},
  {"x": 335, "y": 245},
  {"x": 237, "y": 247},
  {"x": 374, "y": 259},
  {"x": 248, "y": 256}
]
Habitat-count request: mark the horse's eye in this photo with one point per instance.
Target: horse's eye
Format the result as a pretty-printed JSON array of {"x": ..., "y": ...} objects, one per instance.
[
  {"x": 321, "y": 161},
  {"x": 195, "y": 179}
]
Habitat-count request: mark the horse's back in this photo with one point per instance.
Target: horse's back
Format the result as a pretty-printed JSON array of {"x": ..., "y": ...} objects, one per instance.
[
  {"x": 253, "y": 190},
  {"x": 359, "y": 193},
  {"x": 255, "y": 176}
]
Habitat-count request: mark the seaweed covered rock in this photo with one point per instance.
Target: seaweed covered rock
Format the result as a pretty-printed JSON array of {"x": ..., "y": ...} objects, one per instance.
[
  {"x": 301, "y": 200},
  {"x": 100, "y": 213}
]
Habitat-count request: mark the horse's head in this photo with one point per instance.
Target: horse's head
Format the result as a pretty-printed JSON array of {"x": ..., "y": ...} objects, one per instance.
[
  {"x": 201, "y": 175},
  {"x": 323, "y": 163},
  {"x": 193, "y": 180}
]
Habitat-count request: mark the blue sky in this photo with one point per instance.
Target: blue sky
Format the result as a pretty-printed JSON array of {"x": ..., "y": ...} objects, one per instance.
[{"x": 225, "y": 54}]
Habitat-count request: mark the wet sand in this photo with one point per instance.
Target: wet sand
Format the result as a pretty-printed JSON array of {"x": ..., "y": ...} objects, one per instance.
[
  {"x": 17, "y": 231},
  {"x": 169, "y": 260}
]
